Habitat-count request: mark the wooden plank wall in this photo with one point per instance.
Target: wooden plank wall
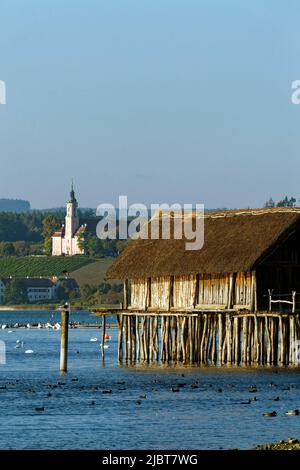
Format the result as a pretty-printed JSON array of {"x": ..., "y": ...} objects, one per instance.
[{"x": 203, "y": 291}]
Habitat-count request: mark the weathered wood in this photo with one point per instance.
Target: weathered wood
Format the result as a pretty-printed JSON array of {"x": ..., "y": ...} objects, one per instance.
[
  {"x": 103, "y": 336},
  {"x": 125, "y": 294},
  {"x": 120, "y": 338},
  {"x": 209, "y": 338},
  {"x": 191, "y": 340},
  {"x": 183, "y": 326},
  {"x": 220, "y": 338},
  {"x": 137, "y": 332},
  {"x": 64, "y": 339}
]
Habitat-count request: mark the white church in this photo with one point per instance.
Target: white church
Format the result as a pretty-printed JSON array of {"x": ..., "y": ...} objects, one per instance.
[{"x": 66, "y": 240}]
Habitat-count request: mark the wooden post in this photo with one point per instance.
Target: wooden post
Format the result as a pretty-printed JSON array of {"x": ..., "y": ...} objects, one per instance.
[
  {"x": 270, "y": 299},
  {"x": 179, "y": 345},
  {"x": 268, "y": 341},
  {"x": 294, "y": 301},
  {"x": 183, "y": 340},
  {"x": 103, "y": 335},
  {"x": 220, "y": 338},
  {"x": 253, "y": 304},
  {"x": 120, "y": 348},
  {"x": 231, "y": 290},
  {"x": 137, "y": 333},
  {"x": 196, "y": 295},
  {"x": 171, "y": 291},
  {"x": 64, "y": 339},
  {"x": 125, "y": 294}
]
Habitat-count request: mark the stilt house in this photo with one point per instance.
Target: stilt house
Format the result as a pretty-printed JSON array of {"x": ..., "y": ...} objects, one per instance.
[{"x": 249, "y": 259}]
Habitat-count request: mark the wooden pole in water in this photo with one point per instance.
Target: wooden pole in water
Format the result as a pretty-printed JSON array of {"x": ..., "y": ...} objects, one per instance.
[
  {"x": 120, "y": 348},
  {"x": 64, "y": 339},
  {"x": 103, "y": 336}
]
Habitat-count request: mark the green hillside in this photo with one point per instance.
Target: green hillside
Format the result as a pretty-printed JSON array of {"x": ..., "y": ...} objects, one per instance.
[
  {"x": 94, "y": 273},
  {"x": 35, "y": 266}
]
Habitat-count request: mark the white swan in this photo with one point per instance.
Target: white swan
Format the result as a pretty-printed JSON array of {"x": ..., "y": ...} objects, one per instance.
[{"x": 29, "y": 351}]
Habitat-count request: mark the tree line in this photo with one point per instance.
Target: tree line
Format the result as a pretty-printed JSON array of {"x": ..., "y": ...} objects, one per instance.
[
  {"x": 285, "y": 202},
  {"x": 89, "y": 295}
]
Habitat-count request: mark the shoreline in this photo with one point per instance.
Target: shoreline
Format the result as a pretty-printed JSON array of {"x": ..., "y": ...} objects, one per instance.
[{"x": 290, "y": 444}]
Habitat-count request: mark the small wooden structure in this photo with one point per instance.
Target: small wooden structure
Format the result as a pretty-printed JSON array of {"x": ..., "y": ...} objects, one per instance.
[{"x": 211, "y": 306}]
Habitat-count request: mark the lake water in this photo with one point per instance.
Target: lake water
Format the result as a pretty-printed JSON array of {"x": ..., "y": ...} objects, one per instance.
[{"x": 208, "y": 417}]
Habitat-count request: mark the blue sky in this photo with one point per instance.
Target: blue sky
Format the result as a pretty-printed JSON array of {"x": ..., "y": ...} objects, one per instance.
[{"x": 160, "y": 100}]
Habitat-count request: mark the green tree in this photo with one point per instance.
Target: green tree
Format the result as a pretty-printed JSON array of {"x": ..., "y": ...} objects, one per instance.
[
  {"x": 104, "y": 288},
  {"x": 16, "y": 292},
  {"x": 270, "y": 203},
  {"x": 64, "y": 292},
  {"x": 22, "y": 248},
  {"x": 117, "y": 288},
  {"x": 7, "y": 249},
  {"x": 50, "y": 224},
  {"x": 81, "y": 241},
  {"x": 87, "y": 294},
  {"x": 287, "y": 202}
]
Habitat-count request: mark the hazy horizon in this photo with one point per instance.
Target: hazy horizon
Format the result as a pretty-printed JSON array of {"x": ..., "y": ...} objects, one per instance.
[{"x": 165, "y": 101}]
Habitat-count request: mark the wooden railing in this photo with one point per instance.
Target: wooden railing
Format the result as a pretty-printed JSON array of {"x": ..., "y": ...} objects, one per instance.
[{"x": 281, "y": 301}]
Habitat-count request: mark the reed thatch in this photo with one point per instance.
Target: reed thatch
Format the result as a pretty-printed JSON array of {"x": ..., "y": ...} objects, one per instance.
[{"x": 234, "y": 241}]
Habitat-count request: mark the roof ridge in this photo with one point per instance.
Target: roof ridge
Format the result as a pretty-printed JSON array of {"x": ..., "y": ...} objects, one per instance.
[{"x": 225, "y": 213}]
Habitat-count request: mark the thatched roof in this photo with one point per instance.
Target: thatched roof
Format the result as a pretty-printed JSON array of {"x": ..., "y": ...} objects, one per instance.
[{"x": 234, "y": 241}]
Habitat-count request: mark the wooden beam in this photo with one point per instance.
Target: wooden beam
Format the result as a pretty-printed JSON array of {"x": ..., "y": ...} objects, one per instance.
[{"x": 125, "y": 294}]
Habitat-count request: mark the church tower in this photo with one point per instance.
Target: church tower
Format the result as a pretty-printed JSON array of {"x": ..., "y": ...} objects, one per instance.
[
  {"x": 67, "y": 241},
  {"x": 72, "y": 219}
]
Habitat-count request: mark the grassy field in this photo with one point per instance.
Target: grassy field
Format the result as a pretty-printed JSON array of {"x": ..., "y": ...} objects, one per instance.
[
  {"x": 35, "y": 266},
  {"x": 93, "y": 273}
]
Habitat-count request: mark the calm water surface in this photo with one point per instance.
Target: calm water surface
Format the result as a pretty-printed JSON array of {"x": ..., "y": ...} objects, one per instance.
[{"x": 208, "y": 417}]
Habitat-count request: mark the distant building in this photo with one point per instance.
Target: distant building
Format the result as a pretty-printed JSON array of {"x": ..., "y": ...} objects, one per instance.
[
  {"x": 66, "y": 240},
  {"x": 39, "y": 289}
]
